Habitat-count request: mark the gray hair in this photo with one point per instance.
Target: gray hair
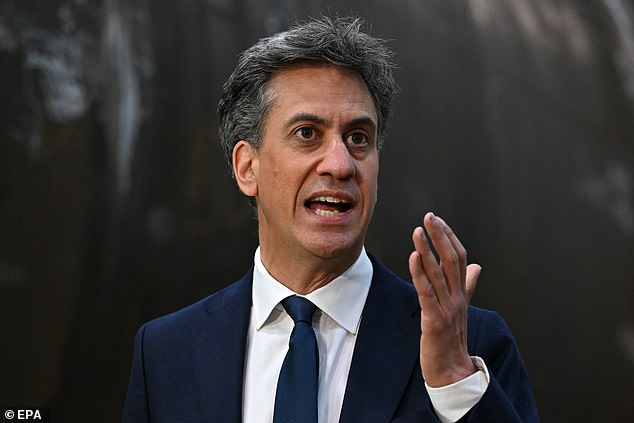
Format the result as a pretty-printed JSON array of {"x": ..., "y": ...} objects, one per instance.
[{"x": 246, "y": 101}]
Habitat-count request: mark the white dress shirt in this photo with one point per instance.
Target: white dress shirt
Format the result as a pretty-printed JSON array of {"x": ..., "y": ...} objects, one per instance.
[{"x": 336, "y": 323}]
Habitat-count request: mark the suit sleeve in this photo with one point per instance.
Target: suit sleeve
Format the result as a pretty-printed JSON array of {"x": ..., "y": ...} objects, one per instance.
[
  {"x": 509, "y": 396},
  {"x": 136, "y": 404}
]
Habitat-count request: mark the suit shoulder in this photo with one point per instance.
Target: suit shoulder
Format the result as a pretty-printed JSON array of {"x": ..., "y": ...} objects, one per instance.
[
  {"x": 235, "y": 295},
  {"x": 483, "y": 319},
  {"x": 488, "y": 334},
  {"x": 391, "y": 287}
]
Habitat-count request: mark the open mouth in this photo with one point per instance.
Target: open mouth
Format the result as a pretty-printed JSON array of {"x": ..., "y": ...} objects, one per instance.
[{"x": 328, "y": 206}]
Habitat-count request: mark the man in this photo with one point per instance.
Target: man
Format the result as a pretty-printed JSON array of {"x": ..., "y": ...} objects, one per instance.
[{"x": 302, "y": 118}]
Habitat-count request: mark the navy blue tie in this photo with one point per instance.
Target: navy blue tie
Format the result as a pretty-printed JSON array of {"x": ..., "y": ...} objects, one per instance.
[{"x": 296, "y": 396}]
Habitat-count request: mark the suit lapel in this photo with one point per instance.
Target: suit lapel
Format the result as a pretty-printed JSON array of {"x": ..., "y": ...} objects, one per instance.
[
  {"x": 385, "y": 354},
  {"x": 386, "y": 350},
  {"x": 220, "y": 349}
]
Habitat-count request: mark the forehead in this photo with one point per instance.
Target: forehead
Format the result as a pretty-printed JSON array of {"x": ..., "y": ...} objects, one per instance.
[{"x": 323, "y": 87}]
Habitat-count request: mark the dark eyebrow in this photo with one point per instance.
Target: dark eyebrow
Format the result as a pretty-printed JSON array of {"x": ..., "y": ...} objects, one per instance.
[
  {"x": 363, "y": 121},
  {"x": 299, "y": 117}
]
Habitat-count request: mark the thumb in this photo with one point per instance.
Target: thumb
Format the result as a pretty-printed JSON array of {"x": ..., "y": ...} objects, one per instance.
[{"x": 473, "y": 273}]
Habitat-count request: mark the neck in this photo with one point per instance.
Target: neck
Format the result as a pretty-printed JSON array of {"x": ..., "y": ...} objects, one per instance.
[{"x": 307, "y": 274}]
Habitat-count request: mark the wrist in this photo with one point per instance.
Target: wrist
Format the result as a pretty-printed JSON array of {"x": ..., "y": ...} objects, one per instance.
[{"x": 449, "y": 376}]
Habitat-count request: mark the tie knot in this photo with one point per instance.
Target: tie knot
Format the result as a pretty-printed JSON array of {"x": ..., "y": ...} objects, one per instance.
[{"x": 299, "y": 308}]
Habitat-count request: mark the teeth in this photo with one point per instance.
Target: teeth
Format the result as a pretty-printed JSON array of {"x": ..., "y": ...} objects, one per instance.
[
  {"x": 330, "y": 200},
  {"x": 326, "y": 213}
]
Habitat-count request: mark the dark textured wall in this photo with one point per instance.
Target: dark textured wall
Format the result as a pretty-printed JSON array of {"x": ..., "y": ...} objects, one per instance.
[{"x": 515, "y": 123}]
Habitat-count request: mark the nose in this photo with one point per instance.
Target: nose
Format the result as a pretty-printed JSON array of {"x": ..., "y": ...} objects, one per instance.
[{"x": 337, "y": 160}]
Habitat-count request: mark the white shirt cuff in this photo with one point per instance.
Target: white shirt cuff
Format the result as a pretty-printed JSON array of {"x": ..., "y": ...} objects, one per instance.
[{"x": 453, "y": 401}]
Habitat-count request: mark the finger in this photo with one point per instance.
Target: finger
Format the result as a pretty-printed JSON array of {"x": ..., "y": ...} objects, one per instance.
[
  {"x": 473, "y": 273},
  {"x": 426, "y": 294},
  {"x": 430, "y": 265},
  {"x": 457, "y": 245},
  {"x": 449, "y": 259}
]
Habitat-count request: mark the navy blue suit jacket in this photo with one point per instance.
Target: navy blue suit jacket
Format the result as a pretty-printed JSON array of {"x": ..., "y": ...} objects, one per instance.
[{"x": 188, "y": 366}]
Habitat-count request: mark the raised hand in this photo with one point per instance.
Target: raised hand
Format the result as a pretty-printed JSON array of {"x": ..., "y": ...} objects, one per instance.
[{"x": 445, "y": 287}]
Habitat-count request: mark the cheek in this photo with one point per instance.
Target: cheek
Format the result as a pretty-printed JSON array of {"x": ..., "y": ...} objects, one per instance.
[
  {"x": 284, "y": 185},
  {"x": 371, "y": 175}
]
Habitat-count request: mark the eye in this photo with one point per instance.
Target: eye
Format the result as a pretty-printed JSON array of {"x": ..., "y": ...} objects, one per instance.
[
  {"x": 358, "y": 139},
  {"x": 305, "y": 133}
]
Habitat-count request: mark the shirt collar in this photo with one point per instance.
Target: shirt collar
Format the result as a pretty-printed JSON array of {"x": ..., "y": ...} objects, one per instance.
[{"x": 342, "y": 299}]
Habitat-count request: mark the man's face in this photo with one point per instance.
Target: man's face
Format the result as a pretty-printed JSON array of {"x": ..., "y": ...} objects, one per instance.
[{"x": 316, "y": 170}]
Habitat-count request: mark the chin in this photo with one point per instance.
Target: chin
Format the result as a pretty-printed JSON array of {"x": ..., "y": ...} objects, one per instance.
[{"x": 334, "y": 247}]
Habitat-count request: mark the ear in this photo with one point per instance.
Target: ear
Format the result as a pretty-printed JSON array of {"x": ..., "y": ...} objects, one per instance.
[{"x": 245, "y": 164}]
